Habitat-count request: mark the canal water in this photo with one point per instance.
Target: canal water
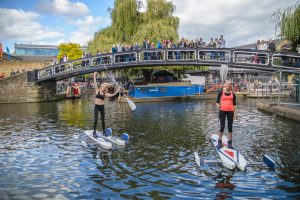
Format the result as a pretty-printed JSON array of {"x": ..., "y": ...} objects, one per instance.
[{"x": 44, "y": 154}]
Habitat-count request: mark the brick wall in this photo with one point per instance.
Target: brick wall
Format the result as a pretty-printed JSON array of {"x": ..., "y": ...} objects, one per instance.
[{"x": 8, "y": 66}]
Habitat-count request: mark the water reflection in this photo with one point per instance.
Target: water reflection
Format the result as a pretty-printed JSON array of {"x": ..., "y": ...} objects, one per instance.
[
  {"x": 42, "y": 156},
  {"x": 224, "y": 184}
]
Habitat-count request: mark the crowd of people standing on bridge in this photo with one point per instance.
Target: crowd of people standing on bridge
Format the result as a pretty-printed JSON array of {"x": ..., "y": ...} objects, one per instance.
[
  {"x": 218, "y": 42},
  {"x": 169, "y": 43},
  {"x": 213, "y": 43},
  {"x": 161, "y": 44},
  {"x": 63, "y": 59},
  {"x": 264, "y": 45}
]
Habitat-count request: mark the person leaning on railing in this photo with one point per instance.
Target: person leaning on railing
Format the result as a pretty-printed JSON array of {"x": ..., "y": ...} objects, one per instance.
[{"x": 271, "y": 46}]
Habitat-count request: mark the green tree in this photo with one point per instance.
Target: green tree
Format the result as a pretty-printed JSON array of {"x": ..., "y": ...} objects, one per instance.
[
  {"x": 102, "y": 41},
  {"x": 287, "y": 23},
  {"x": 125, "y": 19},
  {"x": 130, "y": 25},
  {"x": 158, "y": 22},
  {"x": 72, "y": 50}
]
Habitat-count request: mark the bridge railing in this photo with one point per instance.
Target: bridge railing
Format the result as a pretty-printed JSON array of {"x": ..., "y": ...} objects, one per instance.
[
  {"x": 78, "y": 64},
  {"x": 181, "y": 55},
  {"x": 74, "y": 65},
  {"x": 234, "y": 57},
  {"x": 251, "y": 57},
  {"x": 125, "y": 57},
  {"x": 213, "y": 55},
  {"x": 55, "y": 69},
  {"x": 152, "y": 56},
  {"x": 101, "y": 60},
  {"x": 283, "y": 60}
]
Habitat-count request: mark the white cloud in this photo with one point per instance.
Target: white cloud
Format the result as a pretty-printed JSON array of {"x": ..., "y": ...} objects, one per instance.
[
  {"x": 240, "y": 21},
  {"x": 63, "y": 7},
  {"x": 86, "y": 28},
  {"x": 18, "y": 24},
  {"x": 143, "y": 5},
  {"x": 55, "y": 42}
]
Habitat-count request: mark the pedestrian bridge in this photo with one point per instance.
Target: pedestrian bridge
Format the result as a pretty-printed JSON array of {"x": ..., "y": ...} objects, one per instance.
[{"x": 237, "y": 58}]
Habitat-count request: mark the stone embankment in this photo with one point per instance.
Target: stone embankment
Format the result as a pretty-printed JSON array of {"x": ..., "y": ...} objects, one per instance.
[
  {"x": 23, "y": 88},
  {"x": 281, "y": 110}
]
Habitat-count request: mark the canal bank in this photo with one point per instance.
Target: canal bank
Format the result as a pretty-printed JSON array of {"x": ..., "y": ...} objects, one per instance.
[{"x": 287, "y": 111}]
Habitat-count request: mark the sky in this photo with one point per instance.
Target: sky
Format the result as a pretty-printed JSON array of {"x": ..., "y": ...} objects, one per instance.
[{"x": 58, "y": 21}]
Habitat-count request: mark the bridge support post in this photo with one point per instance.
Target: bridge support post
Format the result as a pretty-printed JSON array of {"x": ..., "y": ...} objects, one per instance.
[
  {"x": 298, "y": 89},
  {"x": 279, "y": 89}
]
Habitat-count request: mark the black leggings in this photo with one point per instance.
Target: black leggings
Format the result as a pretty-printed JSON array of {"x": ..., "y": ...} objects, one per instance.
[
  {"x": 222, "y": 116},
  {"x": 102, "y": 113}
]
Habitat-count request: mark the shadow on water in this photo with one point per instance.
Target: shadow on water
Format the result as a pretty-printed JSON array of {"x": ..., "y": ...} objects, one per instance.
[{"x": 42, "y": 156}]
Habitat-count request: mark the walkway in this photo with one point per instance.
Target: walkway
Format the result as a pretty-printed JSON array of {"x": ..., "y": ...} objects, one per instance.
[{"x": 287, "y": 111}]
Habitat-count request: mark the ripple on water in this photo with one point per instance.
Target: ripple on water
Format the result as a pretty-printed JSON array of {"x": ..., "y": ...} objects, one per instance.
[{"x": 44, "y": 155}]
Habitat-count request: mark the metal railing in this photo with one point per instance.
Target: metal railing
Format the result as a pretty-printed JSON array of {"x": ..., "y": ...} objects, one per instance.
[
  {"x": 193, "y": 56},
  {"x": 181, "y": 55},
  {"x": 278, "y": 93},
  {"x": 127, "y": 57},
  {"x": 251, "y": 58},
  {"x": 152, "y": 56},
  {"x": 214, "y": 55},
  {"x": 282, "y": 60}
]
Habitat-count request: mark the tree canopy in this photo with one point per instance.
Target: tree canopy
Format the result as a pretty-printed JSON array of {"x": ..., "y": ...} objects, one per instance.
[
  {"x": 130, "y": 25},
  {"x": 287, "y": 23},
  {"x": 72, "y": 50}
]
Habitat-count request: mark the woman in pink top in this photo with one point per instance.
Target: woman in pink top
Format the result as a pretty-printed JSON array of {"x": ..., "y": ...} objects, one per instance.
[{"x": 226, "y": 102}]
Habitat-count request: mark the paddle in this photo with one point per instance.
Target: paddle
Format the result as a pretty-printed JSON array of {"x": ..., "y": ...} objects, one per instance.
[
  {"x": 130, "y": 103},
  {"x": 223, "y": 73},
  {"x": 267, "y": 161}
]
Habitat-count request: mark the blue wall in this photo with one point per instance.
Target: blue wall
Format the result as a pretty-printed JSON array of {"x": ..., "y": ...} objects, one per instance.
[{"x": 164, "y": 91}]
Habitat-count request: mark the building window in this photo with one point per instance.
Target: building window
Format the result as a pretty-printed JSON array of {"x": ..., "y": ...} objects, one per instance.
[
  {"x": 36, "y": 51},
  {"x": 20, "y": 52},
  {"x": 29, "y": 52}
]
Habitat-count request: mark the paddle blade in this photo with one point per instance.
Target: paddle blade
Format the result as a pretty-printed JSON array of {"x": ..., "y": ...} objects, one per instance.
[
  {"x": 197, "y": 159},
  {"x": 131, "y": 104},
  {"x": 269, "y": 161},
  {"x": 223, "y": 72}
]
